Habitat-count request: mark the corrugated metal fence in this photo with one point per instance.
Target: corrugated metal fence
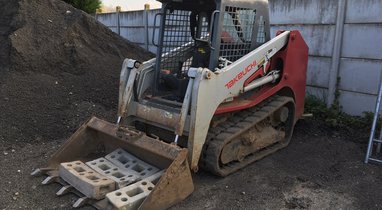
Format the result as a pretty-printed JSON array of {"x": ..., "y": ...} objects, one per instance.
[{"x": 360, "y": 46}]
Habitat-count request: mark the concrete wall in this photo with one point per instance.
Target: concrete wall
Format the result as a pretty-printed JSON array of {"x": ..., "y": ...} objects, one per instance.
[
  {"x": 361, "y": 51},
  {"x": 132, "y": 26}
]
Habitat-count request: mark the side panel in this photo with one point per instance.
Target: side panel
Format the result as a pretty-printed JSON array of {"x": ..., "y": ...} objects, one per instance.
[{"x": 295, "y": 60}]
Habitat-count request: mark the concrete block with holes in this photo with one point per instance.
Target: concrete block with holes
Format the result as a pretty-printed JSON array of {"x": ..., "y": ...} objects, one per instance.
[
  {"x": 130, "y": 197},
  {"x": 86, "y": 180},
  {"x": 131, "y": 164},
  {"x": 111, "y": 171}
]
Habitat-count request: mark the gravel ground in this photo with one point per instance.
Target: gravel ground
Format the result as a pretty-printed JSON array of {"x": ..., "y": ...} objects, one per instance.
[{"x": 321, "y": 169}]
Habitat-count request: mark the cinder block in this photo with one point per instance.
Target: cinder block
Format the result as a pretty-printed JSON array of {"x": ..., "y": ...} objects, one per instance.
[
  {"x": 130, "y": 197},
  {"x": 155, "y": 177},
  {"x": 111, "y": 171},
  {"x": 131, "y": 164},
  {"x": 86, "y": 180}
]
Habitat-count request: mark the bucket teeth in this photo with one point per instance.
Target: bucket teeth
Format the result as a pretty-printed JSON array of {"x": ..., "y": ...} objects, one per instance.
[
  {"x": 49, "y": 179},
  {"x": 81, "y": 202},
  {"x": 37, "y": 172},
  {"x": 64, "y": 190},
  {"x": 41, "y": 171}
]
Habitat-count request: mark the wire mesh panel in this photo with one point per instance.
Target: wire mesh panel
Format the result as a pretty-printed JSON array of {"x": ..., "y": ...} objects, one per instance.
[
  {"x": 237, "y": 31},
  {"x": 178, "y": 43},
  {"x": 261, "y": 31},
  {"x": 177, "y": 40}
]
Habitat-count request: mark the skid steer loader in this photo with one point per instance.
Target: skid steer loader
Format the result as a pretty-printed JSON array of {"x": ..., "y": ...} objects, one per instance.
[{"x": 219, "y": 95}]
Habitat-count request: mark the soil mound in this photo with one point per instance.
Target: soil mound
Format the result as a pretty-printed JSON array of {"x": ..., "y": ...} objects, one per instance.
[{"x": 58, "y": 66}]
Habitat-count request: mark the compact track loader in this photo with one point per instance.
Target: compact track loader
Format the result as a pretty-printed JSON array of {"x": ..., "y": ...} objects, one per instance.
[{"x": 219, "y": 95}]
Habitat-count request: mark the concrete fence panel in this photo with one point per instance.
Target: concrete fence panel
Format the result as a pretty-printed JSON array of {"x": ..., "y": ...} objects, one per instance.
[{"x": 312, "y": 11}]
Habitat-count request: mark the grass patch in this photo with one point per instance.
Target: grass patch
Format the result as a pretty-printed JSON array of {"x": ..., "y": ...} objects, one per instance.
[{"x": 335, "y": 117}]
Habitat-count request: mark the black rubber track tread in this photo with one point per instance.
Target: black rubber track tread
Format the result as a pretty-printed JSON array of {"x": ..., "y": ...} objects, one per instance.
[{"x": 235, "y": 125}]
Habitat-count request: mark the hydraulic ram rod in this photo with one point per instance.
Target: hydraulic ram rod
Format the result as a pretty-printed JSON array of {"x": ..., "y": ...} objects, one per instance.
[{"x": 262, "y": 81}]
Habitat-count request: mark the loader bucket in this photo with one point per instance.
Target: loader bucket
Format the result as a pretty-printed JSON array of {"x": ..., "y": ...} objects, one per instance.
[{"x": 98, "y": 138}]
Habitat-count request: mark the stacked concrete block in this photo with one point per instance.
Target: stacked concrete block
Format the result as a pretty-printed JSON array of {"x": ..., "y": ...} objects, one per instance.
[
  {"x": 130, "y": 197},
  {"x": 155, "y": 177},
  {"x": 86, "y": 180},
  {"x": 124, "y": 180},
  {"x": 127, "y": 162},
  {"x": 113, "y": 172}
]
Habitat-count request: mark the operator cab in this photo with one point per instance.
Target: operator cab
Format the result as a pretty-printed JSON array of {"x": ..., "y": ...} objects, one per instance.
[{"x": 206, "y": 34}]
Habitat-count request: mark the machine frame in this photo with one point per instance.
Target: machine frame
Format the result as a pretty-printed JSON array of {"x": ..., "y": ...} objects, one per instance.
[{"x": 206, "y": 85}]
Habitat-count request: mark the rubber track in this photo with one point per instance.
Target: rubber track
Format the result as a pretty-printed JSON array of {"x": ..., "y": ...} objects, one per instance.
[{"x": 236, "y": 125}]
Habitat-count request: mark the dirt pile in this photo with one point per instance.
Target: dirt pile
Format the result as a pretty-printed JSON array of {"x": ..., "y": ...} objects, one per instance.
[
  {"x": 58, "y": 66},
  {"x": 8, "y": 22}
]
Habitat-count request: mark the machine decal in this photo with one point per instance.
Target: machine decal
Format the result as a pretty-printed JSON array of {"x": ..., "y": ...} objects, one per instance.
[{"x": 241, "y": 74}]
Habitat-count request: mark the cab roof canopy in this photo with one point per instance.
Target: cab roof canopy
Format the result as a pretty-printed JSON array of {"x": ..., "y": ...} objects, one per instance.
[
  {"x": 211, "y": 3},
  {"x": 190, "y": 1}
]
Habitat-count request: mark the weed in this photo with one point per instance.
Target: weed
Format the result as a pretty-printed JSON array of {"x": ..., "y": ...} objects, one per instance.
[{"x": 335, "y": 117}]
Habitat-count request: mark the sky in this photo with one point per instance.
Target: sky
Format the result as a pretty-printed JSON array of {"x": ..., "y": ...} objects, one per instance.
[{"x": 129, "y": 4}]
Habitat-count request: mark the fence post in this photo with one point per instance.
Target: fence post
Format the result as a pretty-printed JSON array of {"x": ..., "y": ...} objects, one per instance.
[
  {"x": 336, "y": 56},
  {"x": 118, "y": 10},
  {"x": 146, "y": 25}
]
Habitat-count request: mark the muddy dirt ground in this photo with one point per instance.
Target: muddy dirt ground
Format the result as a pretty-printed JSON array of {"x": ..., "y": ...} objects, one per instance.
[
  {"x": 320, "y": 169},
  {"x": 58, "y": 66}
]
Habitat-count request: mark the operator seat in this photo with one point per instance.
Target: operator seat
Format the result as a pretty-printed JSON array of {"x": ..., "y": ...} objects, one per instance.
[{"x": 201, "y": 55}]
